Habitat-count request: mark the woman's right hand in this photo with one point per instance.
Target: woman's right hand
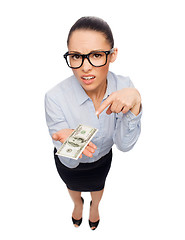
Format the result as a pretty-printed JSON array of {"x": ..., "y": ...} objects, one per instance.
[{"x": 63, "y": 134}]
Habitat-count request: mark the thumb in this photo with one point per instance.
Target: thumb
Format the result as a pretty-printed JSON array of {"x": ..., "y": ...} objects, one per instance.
[
  {"x": 55, "y": 137},
  {"x": 109, "y": 110}
]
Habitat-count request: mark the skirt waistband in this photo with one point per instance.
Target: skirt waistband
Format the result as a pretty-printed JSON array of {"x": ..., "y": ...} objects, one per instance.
[{"x": 91, "y": 165}]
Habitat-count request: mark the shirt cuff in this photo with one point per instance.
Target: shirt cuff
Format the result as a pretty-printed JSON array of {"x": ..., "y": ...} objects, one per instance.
[{"x": 130, "y": 119}]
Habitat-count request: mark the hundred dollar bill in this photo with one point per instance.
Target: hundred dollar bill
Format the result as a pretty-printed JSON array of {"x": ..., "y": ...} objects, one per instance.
[{"x": 77, "y": 142}]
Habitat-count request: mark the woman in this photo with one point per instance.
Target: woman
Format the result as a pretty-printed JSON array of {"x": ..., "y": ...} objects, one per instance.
[{"x": 82, "y": 99}]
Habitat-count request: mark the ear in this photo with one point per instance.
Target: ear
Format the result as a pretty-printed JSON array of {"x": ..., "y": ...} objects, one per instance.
[{"x": 114, "y": 55}]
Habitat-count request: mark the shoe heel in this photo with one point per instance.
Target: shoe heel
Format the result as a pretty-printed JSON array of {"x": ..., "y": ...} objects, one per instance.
[
  {"x": 93, "y": 225},
  {"x": 78, "y": 222}
]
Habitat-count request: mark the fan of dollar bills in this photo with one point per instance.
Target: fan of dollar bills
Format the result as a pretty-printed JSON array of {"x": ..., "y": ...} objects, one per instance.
[{"x": 77, "y": 142}]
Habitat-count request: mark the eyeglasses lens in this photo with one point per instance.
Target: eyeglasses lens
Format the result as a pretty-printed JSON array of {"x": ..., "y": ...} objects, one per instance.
[{"x": 97, "y": 59}]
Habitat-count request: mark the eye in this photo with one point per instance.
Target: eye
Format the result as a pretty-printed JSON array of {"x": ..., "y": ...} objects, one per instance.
[
  {"x": 97, "y": 55},
  {"x": 75, "y": 57}
]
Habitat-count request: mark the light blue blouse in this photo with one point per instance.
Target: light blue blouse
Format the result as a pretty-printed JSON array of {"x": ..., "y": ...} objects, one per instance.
[{"x": 67, "y": 105}]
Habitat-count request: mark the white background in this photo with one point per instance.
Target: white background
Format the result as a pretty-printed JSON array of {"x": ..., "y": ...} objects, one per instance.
[{"x": 145, "y": 193}]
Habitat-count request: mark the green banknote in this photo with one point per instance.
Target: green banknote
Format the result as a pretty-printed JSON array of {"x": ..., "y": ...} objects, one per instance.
[{"x": 77, "y": 142}]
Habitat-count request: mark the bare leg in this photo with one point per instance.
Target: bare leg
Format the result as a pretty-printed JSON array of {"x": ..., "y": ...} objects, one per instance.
[
  {"x": 78, "y": 205},
  {"x": 94, "y": 213}
]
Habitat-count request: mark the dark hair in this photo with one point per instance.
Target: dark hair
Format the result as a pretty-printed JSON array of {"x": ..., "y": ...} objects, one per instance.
[{"x": 93, "y": 23}]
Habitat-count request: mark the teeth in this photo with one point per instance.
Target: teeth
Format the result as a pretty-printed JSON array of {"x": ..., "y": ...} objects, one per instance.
[{"x": 88, "y": 78}]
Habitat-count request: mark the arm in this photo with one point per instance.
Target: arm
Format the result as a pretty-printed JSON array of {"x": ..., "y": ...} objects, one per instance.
[
  {"x": 58, "y": 127},
  {"x": 127, "y": 130},
  {"x": 122, "y": 101},
  {"x": 54, "y": 118},
  {"x": 126, "y": 103}
]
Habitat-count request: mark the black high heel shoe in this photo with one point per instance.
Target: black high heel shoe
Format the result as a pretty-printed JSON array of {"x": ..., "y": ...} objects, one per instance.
[
  {"x": 78, "y": 222},
  {"x": 93, "y": 225}
]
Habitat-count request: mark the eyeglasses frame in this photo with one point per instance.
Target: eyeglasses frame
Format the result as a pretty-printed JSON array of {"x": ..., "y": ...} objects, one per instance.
[{"x": 87, "y": 56}]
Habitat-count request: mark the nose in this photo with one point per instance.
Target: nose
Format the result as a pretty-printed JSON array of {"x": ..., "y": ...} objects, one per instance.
[{"x": 86, "y": 67}]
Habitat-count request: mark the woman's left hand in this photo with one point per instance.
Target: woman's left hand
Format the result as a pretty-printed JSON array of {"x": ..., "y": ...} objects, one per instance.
[{"x": 122, "y": 101}]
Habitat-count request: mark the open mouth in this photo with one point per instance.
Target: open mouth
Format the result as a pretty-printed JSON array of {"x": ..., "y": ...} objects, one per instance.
[{"x": 88, "y": 79}]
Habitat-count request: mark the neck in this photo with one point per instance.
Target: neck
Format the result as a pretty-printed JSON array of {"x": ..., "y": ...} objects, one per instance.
[{"x": 97, "y": 94}]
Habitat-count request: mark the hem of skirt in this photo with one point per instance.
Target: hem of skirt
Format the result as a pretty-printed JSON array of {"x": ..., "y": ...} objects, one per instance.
[{"x": 85, "y": 190}]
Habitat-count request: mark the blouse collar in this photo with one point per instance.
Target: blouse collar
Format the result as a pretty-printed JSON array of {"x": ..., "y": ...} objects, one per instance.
[{"x": 82, "y": 96}]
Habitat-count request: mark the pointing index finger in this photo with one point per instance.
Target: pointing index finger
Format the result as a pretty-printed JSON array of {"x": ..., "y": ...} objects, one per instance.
[{"x": 104, "y": 105}]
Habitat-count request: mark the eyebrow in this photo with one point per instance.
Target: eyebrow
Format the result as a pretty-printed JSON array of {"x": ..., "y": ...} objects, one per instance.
[{"x": 99, "y": 50}]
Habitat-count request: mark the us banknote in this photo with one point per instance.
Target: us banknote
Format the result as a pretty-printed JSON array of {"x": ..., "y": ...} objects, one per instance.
[{"x": 77, "y": 142}]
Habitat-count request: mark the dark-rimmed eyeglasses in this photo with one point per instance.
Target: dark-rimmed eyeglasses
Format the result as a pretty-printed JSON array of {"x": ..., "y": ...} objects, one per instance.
[{"x": 96, "y": 58}]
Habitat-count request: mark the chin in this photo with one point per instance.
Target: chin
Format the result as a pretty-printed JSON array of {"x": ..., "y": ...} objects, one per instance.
[{"x": 88, "y": 88}]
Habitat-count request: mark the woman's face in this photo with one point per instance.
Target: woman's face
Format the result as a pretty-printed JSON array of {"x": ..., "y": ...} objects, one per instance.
[{"x": 84, "y": 42}]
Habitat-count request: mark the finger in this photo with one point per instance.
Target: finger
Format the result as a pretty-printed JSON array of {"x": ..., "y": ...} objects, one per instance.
[
  {"x": 92, "y": 145},
  {"x": 104, "y": 105},
  {"x": 87, "y": 153},
  {"x": 119, "y": 108},
  {"x": 90, "y": 149},
  {"x": 125, "y": 109},
  {"x": 109, "y": 110},
  {"x": 55, "y": 137},
  {"x": 113, "y": 107}
]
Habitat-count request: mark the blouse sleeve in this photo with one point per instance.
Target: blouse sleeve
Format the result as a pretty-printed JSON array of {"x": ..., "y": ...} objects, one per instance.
[
  {"x": 55, "y": 118},
  {"x": 127, "y": 128}
]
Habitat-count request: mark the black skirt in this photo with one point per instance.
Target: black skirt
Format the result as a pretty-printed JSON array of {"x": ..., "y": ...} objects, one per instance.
[{"x": 86, "y": 177}]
